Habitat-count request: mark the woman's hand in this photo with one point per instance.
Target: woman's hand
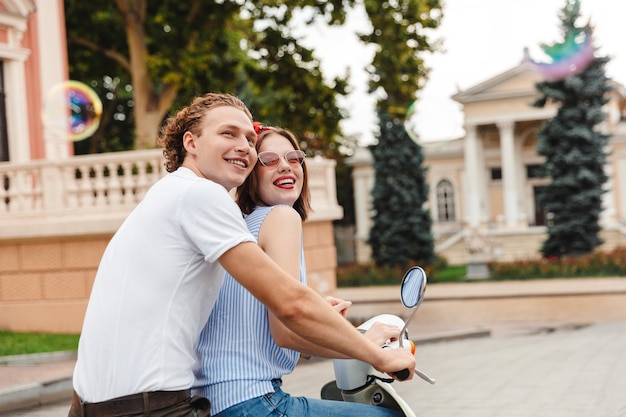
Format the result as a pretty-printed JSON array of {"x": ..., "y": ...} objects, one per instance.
[{"x": 341, "y": 306}]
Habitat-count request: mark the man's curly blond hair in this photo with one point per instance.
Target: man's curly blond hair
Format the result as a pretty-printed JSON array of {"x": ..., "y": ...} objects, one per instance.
[{"x": 190, "y": 119}]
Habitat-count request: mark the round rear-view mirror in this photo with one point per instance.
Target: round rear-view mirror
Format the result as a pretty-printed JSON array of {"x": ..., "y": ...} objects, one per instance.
[{"x": 413, "y": 287}]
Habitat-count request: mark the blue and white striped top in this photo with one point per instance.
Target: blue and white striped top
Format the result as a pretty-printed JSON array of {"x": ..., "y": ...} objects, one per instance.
[{"x": 238, "y": 356}]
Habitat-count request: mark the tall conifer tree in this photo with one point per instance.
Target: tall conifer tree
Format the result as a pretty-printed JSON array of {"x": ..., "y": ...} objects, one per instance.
[
  {"x": 401, "y": 230},
  {"x": 574, "y": 147}
]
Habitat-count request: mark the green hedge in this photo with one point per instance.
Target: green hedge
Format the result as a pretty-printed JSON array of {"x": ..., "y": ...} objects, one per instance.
[
  {"x": 596, "y": 264},
  {"x": 366, "y": 275}
]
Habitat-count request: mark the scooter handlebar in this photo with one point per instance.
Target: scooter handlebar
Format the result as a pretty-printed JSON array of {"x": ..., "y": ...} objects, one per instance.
[{"x": 402, "y": 375}]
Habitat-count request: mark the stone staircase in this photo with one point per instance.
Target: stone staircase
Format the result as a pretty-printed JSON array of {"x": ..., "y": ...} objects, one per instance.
[{"x": 515, "y": 245}]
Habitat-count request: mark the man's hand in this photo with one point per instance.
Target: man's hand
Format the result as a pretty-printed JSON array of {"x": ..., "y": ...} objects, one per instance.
[
  {"x": 396, "y": 360},
  {"x": 381, "y": 333}
]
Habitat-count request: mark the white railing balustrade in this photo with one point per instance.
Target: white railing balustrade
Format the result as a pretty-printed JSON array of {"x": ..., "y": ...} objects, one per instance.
[
  {"x": 94, "y": 193},
  {"x": 97, "y": 181}
]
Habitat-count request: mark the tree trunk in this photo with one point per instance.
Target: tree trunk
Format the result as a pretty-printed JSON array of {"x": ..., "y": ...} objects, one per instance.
[{"x": 150, "y": 107}]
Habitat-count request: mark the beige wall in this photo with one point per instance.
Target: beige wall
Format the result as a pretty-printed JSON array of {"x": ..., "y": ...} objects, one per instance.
[{"x": 45, "y": 283}]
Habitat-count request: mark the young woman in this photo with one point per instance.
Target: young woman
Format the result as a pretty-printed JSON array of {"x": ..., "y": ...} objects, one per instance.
[{"x": 245, "y": 350}]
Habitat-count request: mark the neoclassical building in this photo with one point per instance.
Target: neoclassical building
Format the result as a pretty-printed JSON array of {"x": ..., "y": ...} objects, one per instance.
[{"x": 483, "y": 186}]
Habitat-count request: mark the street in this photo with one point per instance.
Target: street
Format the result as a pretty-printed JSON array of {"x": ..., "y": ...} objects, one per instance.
[{"x": 566, "y": 373}]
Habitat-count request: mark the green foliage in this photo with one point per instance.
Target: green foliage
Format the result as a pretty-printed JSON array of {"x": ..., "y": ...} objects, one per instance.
[
  {"x": 369, "y": 275},
  {"x": 171, "y": 51},
  {"x": 17, "y": 343},
  {"x": 356, "y": 275},
  {"x": 596, "y": 264},
  {"x": 107, "y": 77},
  {"x": 400, "y": 30},
  {"x": 401, "y": 228},
  {"x": 574, "y": 149},
  {"x": 400, "y": 233}
]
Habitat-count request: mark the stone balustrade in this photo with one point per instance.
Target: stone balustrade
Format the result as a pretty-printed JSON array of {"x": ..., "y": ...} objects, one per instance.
[{"x": 51, "y": 198}]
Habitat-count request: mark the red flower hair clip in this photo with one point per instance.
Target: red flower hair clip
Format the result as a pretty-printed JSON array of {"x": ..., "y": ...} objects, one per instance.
[{"x": 259, "y": 128}]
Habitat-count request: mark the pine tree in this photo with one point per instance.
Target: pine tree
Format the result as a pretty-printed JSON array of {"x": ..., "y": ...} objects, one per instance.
[
  {"x": 574, "y": 149},
  {"x": 401, "y": 230}
]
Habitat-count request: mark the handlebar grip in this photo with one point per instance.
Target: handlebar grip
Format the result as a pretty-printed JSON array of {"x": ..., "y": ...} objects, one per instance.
[{"x": 402, "y": 375}]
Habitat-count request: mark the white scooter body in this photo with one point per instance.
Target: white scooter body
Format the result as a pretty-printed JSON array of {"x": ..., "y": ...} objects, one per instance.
[{"x": 358, "y": 381}]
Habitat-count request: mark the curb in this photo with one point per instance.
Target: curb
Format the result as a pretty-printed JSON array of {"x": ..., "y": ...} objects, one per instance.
[
  {"x": 35, "y": 395},
  {"x": 37, "y": 358},
  {"x": 452, "y": 335}
]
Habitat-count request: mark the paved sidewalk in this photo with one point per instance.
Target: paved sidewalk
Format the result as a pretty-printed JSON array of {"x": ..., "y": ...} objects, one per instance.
[
  {"x": 567, "y": 372},
  {"x": 518, "y": 371},
  {"x": 499, "y": 368},
  {"x": 34, "y": 380}
]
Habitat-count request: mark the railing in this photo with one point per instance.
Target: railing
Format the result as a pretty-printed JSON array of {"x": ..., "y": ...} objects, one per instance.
[
  {"x": 101, "y": 181},
  {"x": 94, "y": 193}
]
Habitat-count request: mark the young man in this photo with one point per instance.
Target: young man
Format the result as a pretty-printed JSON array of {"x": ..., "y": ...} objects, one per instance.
[{"x": 161, "y": 273}]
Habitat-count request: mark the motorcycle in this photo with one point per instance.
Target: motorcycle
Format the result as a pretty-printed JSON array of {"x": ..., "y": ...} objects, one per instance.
[{"x": 357, "y": 381}]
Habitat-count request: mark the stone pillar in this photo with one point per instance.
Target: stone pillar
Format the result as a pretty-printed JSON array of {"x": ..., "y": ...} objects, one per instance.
[
  {"x": 472, "y": 178},
  {"x": 16, "y": 105},
  {"x": 53, "y": 57},
  {"x": 509, "y": 174},
  {"x": 620, "y": 176},
  {"x": 363, "y": 182}
]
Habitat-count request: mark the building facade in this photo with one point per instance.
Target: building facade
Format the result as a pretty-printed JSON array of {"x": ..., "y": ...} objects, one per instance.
[{"x": 484, "y": 185}]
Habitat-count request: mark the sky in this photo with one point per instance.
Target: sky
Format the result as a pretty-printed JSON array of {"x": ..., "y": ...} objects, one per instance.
[{"x": 481, "y": 39}]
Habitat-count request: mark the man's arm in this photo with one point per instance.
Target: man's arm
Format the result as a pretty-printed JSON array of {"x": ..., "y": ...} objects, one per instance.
[{"x": 305, "y": 312}]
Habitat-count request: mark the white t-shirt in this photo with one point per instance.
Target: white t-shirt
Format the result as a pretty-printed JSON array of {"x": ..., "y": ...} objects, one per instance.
[{"x": 155, "y": 287}]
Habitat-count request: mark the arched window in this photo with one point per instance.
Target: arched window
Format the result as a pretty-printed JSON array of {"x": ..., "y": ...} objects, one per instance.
[{"x": 445, "y": 202}]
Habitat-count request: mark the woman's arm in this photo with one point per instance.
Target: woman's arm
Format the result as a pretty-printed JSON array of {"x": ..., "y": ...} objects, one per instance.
[{"x": 280, "y": 237}]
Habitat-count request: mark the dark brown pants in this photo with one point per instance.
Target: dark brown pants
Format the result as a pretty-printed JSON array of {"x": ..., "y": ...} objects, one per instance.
[{"x": 155, "y": 404}]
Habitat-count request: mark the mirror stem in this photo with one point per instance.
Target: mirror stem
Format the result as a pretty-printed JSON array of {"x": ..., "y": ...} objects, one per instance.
[{"x": 406, "y": 325}]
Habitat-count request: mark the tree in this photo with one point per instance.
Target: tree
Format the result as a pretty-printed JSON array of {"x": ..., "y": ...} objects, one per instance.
[
  {"x": 170, "y": 51},
  {"x": 401, "y": 230},
  {"x": 573, "y": 147}
]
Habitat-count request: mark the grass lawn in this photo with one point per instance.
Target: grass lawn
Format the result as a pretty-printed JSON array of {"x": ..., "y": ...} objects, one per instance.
[
  {"x": 12, "y": 343},
  {"x": 452, "y": 273}
]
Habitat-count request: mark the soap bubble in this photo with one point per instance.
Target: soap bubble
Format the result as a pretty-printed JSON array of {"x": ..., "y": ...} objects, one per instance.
[
  {"x": 72, "y": 109},
  {"x": 569, "y": 58},
  {"x": 410, "y": 123}
]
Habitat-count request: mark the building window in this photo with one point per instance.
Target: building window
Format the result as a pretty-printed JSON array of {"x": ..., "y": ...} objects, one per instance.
[
  {"x": 534, "y": 171},
  {"x": 496, "y": 174},
  {"x": 445, "y": 201},
  {"x": 4, "y": 137}
]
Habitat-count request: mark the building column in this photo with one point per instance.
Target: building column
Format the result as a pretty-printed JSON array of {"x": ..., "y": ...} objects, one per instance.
[
  {"x": 53, "y": 57},
  {"x": 509, "y": 174},
  {"x": 363, "y": 180},
  {"x": 472, "y": 177},
  {"x": 620, "y": 186}
]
